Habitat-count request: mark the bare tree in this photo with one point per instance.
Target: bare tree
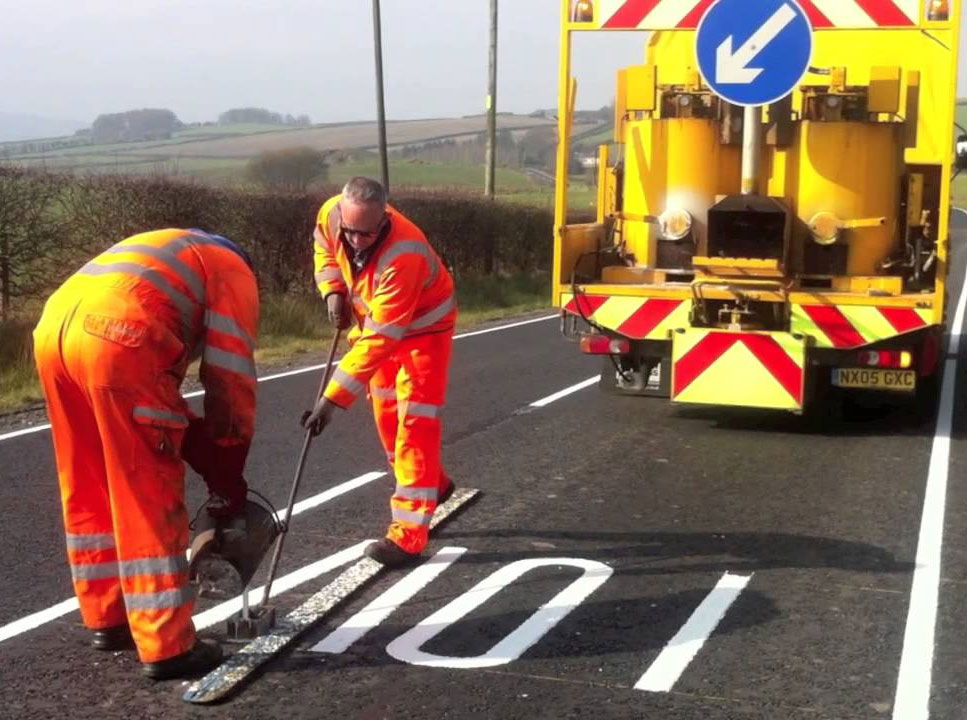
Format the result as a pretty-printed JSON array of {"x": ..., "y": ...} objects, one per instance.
[
  {"x": 30, "y": 244},
  {"x": 289, "y": 170}
]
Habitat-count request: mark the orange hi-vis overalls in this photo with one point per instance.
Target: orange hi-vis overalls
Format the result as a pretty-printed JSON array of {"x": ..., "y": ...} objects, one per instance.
[
  {"x": 405, "y": 310},
  {"x": 112, "y": 349}
]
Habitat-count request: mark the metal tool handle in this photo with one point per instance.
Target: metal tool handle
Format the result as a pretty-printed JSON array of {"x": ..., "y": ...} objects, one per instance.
[{"x": 277, "y": 553}]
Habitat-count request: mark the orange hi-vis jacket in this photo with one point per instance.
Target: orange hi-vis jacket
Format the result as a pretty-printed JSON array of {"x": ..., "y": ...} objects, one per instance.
[
  {"x": 403, "y": 291},
  {"x": 112, "y": 349}
]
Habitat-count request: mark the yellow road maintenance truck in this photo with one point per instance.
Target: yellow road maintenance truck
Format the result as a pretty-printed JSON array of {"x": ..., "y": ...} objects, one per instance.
[{"x": 772, "y": 215}]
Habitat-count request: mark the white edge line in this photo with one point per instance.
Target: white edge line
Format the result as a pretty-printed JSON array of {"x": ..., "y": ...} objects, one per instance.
[
  {"x": 664, "y": 672},
  {"x": 299, "y": 371},
  {"x": 912, "y": 700},
  {"x": 41, "y": 617},
  {"x": 544, "y": 402}
]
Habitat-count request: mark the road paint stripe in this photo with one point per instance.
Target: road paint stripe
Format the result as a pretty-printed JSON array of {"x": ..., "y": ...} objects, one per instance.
[
  {"x": 681, "y": 649},
  {"x": 343, "y": 637},
  {"x": 960, "y": 210},
  {"x": 225, "y": 610},
  {"x": 407, "y": 646},
  {"x": 35, "y": 620},
  {"x": 226, "y": 677},
  {"x": 299, "y": 371},
  {"x": 912, "y": 701},
  {"x": 544, "y": 402}
]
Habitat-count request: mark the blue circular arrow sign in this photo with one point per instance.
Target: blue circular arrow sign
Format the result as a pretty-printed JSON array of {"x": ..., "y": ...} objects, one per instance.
[{"x": 754, "y": 52}]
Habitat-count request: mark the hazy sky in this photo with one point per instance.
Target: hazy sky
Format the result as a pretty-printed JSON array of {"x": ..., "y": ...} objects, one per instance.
[{"x": 79, "y": 58}]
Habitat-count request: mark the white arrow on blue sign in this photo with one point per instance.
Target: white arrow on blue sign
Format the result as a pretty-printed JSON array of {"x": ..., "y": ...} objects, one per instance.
[{"x": 754, "y": 52}]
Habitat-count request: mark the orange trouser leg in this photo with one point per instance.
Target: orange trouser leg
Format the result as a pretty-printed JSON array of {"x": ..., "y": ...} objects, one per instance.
[
  {"x": 421, "y": 392},
  {"x": 83, "y": 485},
  {"x": 382, "y": 389},
  {"x": 123, "y": 357}
]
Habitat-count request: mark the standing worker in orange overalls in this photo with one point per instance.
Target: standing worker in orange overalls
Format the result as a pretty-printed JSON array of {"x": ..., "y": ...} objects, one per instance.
[
  {"x": 112, "y": 349},
  {"x": 373, "y": 263}
]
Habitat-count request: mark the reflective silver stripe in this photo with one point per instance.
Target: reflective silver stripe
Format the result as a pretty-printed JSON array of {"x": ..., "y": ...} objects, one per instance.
[
  {"x": 157, "y": 414},
  {"x": 241, "y": 364},
  {"x": 93, "y": 541},
  {"x": 415, "y": 518},
  {"x": 383, "y": 393},
  {"x": 393, "y": 332},
  {"x": 415, "y": 409},
  {"x": 95, "y": 571},
  {"x": 186, "y": 306},
  {"x": 357, "y": 300},
  {"x": 160, "y": 600},
  {"x": 404, "y": 248},
  {"x": 348, "y": 381},
  {"x": 415, "y": 493},
  {"x": 167, "y": 256},
  {"x": 434, "y": 315},
  {"x": 170, "y": 565},
  {"x": 228, "y": 326},
  {"x": 328, "y": 275}
]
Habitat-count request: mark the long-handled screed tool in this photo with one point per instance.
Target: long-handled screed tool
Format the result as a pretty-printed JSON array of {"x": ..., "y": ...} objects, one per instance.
[{"x": 252, "y": 622}]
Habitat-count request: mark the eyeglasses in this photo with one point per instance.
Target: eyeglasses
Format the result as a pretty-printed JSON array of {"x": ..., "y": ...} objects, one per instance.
[{"x": 367, "y": 234}]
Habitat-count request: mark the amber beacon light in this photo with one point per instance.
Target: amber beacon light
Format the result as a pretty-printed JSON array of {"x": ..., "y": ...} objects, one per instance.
[
  {"x": 938, "y": 10},
  {"x": 584, "y": 11}
]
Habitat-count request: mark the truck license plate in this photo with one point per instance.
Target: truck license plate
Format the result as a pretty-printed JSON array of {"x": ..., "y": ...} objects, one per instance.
[{"x": 875, "y": 379}]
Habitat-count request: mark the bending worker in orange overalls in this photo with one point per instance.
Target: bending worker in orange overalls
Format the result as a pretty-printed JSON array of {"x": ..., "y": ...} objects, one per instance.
[
  {"x": 373, "y": 262},
  {"x": 112, "y": 349}
]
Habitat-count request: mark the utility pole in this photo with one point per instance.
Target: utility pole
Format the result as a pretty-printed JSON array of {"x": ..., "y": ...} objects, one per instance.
[
  {"x": 380, "y": 108},
  {"x": 489, "y": 179}
]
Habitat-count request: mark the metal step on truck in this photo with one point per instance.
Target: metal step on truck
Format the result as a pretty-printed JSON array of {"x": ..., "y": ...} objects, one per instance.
[{"x": 772, "y": 215}]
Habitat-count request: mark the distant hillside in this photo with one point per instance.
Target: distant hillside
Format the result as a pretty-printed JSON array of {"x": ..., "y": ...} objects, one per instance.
[{"x": 19, "y": 126}]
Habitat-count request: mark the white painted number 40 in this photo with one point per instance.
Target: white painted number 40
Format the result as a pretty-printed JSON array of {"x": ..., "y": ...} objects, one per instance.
[{"x": 407, "y": 647}]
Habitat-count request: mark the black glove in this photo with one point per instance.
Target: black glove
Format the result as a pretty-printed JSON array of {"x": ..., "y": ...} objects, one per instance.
[
  {"x": 315, "y": 420},
  {"x": 338, "y": 314}
]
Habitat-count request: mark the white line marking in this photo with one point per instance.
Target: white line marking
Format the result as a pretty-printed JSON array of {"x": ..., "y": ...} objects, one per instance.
[
  {"x": 960, "y": 210},
  {"x": 678, "y": 653},
  {"x": 544, "y": 402},
  {"x": 343, "y": 637},
  {"x": 474, "y": 333},
  {"x": 290, "y": 373},
  {"x": 226, "y": 677},
  {"x": 41, "y": 617},
  {"x": 912, "y": 700},
  {"x": 37, "y": 619},
  {"x": 225, "y": 610},
  {"x": 407, "y": 646}
]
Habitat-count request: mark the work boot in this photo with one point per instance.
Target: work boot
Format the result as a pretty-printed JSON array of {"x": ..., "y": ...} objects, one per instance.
[
  {"x": 201, "y": 658},
  {"x": 445, "y": 495},
  {"x": 112, "y": 639},
  {"x": 390, "y": 554}
]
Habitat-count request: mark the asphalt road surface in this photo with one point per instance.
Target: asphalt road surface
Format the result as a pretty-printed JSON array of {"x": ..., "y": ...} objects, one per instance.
[{"x": 674, "y": 563}]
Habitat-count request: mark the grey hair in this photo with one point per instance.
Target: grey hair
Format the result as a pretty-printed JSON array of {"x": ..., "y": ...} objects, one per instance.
[{"x": 365, "y": 191}]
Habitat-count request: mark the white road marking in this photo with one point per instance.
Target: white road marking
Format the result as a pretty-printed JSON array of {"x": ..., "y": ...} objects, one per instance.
[
  {"x": 678, "y": 653},
  {"x": 343, "y": 637},
  {"x": 960, "y": 210},
  {"x": 34, "y": 620},
  {"x": 912, "y": 700},
  {"x": 544, "y": 402},
  {"x": 224, "y": 679},
  {"x": 300, "y": 371},
  {"x": 407, "y": 646},
  {"x": 225, "y": 610}
]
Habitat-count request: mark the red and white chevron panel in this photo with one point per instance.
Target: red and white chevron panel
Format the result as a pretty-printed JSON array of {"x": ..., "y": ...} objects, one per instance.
[{"x": 686, "y": 14}]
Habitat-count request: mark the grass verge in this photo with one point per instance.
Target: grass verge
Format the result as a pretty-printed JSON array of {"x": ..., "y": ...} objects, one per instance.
[{"x": 291, "y": 326}]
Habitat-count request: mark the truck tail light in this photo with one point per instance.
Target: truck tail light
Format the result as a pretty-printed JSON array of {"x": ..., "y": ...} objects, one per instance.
[
  {"x": 886, "y": 358},
  {"x": 604, "y": 345}
]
